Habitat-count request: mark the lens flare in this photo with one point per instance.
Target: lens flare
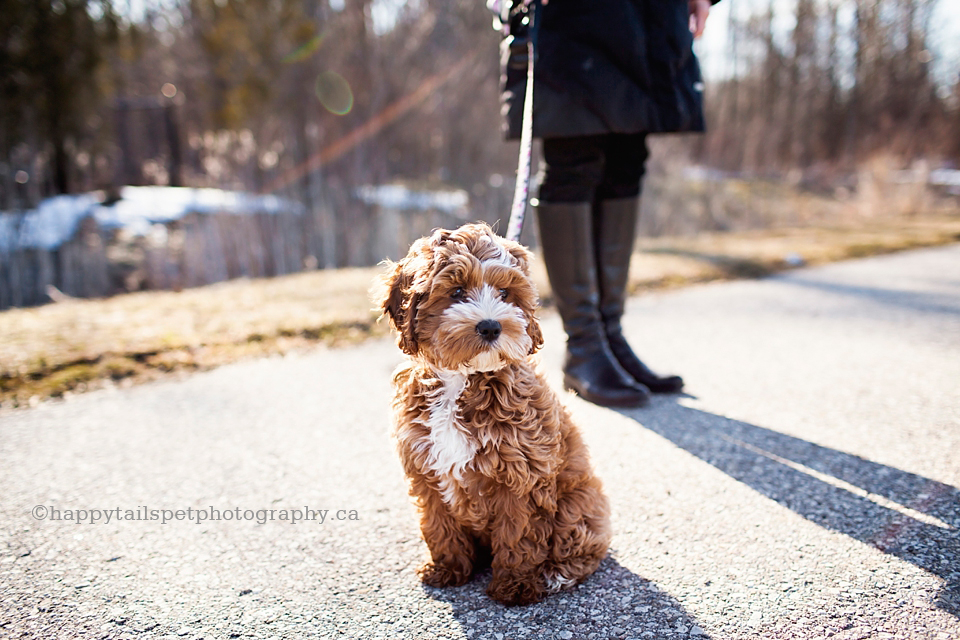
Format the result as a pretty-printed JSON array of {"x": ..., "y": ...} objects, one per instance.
[
  {"x": 306, "y": 50},
  {"x": 334, "y": 93},
  {"x": 390, "y": 114}
]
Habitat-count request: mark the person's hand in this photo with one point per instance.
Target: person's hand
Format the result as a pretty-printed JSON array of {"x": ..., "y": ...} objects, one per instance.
[{"x": 699, "y": 10}]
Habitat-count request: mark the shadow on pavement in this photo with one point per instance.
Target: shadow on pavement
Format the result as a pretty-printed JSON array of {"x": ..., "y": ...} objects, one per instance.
[
  {"x": 614, "y": 602},
  {"x": 905, "y": 515}
]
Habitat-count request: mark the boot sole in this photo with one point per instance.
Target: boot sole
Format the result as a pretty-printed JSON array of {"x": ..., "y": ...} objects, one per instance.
[
  {"x": 626, "y": 403},
  {"x": 664, "y": 386}
]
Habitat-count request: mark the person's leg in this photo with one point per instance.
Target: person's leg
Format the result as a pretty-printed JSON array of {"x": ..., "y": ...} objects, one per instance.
[
  {"x": 614, "y": 227},
  {"x": 573, "y": 169}
]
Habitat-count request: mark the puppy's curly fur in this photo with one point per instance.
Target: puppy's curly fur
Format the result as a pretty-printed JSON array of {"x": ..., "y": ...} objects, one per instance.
[{"x": 498, "y": 469}]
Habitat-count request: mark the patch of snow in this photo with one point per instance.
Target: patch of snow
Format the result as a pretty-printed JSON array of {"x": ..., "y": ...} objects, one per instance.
[
  {"x": 701, "y": 173},
  {"x": 139, "y": 208},
  {"x": 945, "y": 177},
  {"x": 49, "y": 225},
  {"x": 395, "y": 196}
]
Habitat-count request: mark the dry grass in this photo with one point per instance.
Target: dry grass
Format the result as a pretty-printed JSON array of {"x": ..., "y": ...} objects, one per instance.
[
  {"x": 751, "y": 254},
  {"x": 67, "y": 346},
  {"x": 72, "y": 346}
]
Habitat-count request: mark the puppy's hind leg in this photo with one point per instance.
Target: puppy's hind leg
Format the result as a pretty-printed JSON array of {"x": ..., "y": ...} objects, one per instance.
[
  {"x": 520, "y": 543},
  {"x": 452, "y": 548},
  {"x": 581, "y": 535}
]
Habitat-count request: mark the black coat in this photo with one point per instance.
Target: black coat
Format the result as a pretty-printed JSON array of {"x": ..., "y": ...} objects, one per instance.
[{"x": 604, "y": 66}]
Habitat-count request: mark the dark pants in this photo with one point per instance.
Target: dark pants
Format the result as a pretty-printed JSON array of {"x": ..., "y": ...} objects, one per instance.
[{"x": 590, "y": 168}]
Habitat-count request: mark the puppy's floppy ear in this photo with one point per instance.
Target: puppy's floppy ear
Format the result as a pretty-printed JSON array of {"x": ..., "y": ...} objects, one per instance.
[
  {"x": 399, "y": 304},
  {"x": 388, "y": 294},
  {"x": 408, "y": 335},
  {"x": 536, "y": 337}
]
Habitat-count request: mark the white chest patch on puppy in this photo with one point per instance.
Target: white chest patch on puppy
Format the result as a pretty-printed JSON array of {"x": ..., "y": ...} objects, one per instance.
[{"x": 449, "y": 448}]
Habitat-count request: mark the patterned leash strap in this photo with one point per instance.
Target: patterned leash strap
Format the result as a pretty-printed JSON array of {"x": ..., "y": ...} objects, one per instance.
[{"x": 522, "y": 191}]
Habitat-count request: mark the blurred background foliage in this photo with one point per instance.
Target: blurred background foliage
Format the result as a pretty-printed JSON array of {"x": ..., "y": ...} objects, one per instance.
[
  {"x": 310, "y": 99},
  {"x": 844, "y": 82},
  {"x": 257, "y": 89}
]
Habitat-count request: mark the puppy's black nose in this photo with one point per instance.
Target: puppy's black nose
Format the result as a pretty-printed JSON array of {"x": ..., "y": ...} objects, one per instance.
[{"x": 489, "y": 330}]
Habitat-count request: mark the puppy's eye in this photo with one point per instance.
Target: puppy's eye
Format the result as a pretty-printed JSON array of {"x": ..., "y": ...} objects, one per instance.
[
  {"x": 457, "y": 293},
  {"x": 503, "y": 294}
]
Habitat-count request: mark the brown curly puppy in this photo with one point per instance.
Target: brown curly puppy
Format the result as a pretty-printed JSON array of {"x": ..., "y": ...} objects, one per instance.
[{"x": 497, "y": 467}]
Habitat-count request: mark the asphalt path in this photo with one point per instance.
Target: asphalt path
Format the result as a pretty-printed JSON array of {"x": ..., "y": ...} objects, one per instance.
[{"x": 805, "y": 487}]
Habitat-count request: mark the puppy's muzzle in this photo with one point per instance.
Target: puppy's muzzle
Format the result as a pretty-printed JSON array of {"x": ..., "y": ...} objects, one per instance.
[{"x": 489, "y": 330}]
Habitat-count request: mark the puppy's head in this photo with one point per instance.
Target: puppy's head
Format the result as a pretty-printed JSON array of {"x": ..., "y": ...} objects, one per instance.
[{"x": 463, "y": 300}]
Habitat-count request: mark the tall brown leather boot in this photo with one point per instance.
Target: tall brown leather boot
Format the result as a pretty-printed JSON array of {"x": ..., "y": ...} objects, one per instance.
[
  {"x": 589, "y": 368},
  {"x": 614, "y": 229}
]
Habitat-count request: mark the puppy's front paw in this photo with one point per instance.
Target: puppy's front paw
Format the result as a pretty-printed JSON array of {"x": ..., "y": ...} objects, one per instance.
[
  {"x": 513, "y": 591},
  {"x": 434, "y": 574}
]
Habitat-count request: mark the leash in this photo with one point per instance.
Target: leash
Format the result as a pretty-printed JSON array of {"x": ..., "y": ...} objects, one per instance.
[{"x": 520, "y": 194}]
